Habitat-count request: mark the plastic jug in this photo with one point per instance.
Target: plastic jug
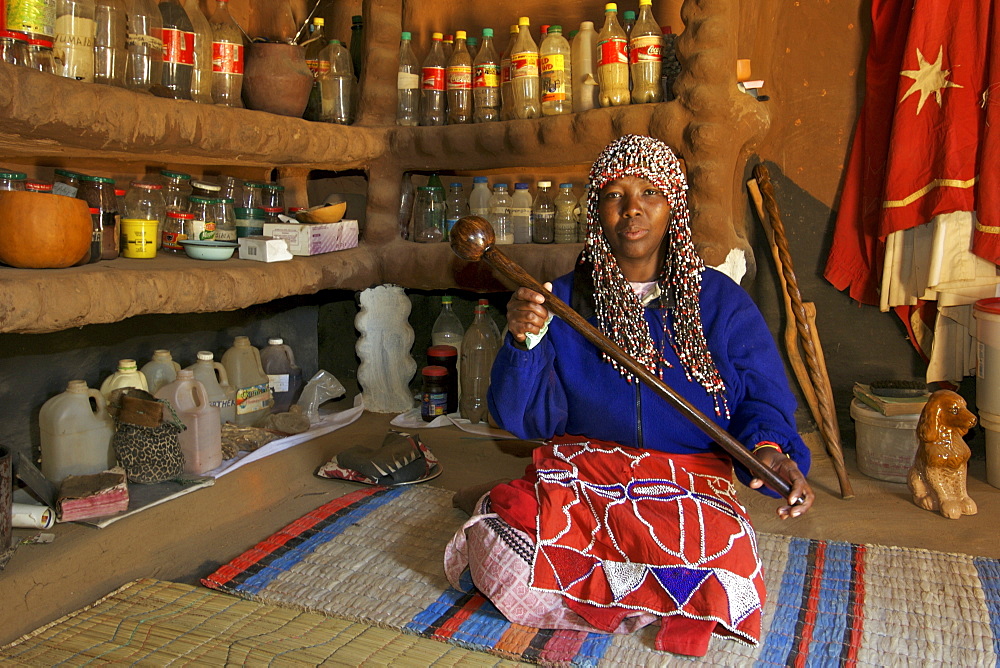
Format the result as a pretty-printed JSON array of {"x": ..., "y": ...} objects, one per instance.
[
  {"x": 201, "y": 442},
  {"x": 213, "y": 376},
  {"x": 246, "y": 375},
  {"x": 284, "y": 376},
  {"x": 127, "y": 375},
  {"x": 160, "y": 370},
  {"x": 75, "y": 433}
]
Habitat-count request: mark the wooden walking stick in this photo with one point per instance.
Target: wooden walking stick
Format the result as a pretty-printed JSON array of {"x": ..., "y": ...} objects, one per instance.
[
  {"x": 472, "y": 239},
  {"x": 800, "y": 329}
]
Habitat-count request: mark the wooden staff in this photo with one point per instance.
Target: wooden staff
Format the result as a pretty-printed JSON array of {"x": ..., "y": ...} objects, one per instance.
[
  {"x": 472, "y": 239},
  {"x": 801, "y": 317}
]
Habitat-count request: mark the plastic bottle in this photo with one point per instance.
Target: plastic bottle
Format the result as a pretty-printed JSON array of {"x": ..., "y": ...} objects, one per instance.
[
  {"x": 144, "y": 44},
  {"x": 316, "y": 43},
  {"x": 34, "y": 18},
  {"x": 486, "y": 82},
  {"x": 447, "y": 46},
  {"x": 160, "y": 370},
  {"x": 201, "y": 441},
  {"x": 284, "y": 375},
  {"x": 213, "y": 376},
  {"x": 75, "y": 434},
  {"x": 565, "y": 220},
  {"x": 428, "y": 215},
  {"x": 472, "y": 44},
  {"x": 338, "y": 86},
  {"x": 500, "y": 203},
  {"x": 612, "y": 64},
  {"x": 478, "y": 352},
  {"x": 127, "y": 375},
  {"x": 628, "y": 20},
  {"x": 357, "y": 44},
  {"x": 524, "y": 73},
  {"x": 73, "y": 47},
  {"x": 646, "y": 56},
  {"x": 201, "y": 75},
  {"x": 110, "y": 54},
  {"x": 581, "y": 215},
  {"x": 253, "y": 391},
  {"x": 458, "y": 81},
  {"x": 178, "y": 51},
  {"x": 407, "y": 84},
  {"x": 432, "y": 84},
  {"x": 455, "y": 207},
  {"x": 227, "y": 57},
  {"x": 543, "y": 215},
  {"x": 447, "y": 329},
  {"x": 670, "y": 67},
  {"x": 520, "y": 214},
  {"x": 479, "y": 198},
  {"x": 586, "y": 92},
  {"x": 506, "y": 91},
  {"x": 556, "y": 66},
  {"x": 494, "y": 330}
]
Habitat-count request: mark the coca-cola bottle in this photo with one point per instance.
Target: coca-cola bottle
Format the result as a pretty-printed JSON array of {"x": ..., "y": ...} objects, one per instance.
[
  {"x": 612, "y": 65},
  {"x": 506, "y": 91},
  {"x": 646, "y": 56},
  {"x": 178, "y": 51},
  {"x": 459, "y": 82},
  {"x": 432, "y": 86}
]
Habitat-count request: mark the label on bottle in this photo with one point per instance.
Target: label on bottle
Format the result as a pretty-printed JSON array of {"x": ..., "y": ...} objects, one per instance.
[
  {"x": 523, "y": 64},
  {"x": 65, "y": 189},
  {"x": 202, "y": 230},
  {"x": 223, "y": 403},
  {"x": 142, "y": 43},
  {"x": 487, "y": 75},
  {"x": 172, "y": 240},
  {"x": 178, "y": 46},
  {"x": 432, "y": 78},
  {"x": 504, "y": 72},
  {"x": 322, "y": 67},
  {"x": 73, "y": 47},
  {"x": 613, "y": 51},
  {"x": 278, "y": 382},
  {"x": 459, "y": 77},
  {"x": 554, "y": 83},
  {"x": 407, "y": 81},
  {"x": 223, "y": 234},
  {"x": 646, "y": 49},
  {"x": 252, "y": 399},
  {"x": 524, "y": 211},
  {"x": 32, "y": 16},
  {"x": 227, "y": 58}
]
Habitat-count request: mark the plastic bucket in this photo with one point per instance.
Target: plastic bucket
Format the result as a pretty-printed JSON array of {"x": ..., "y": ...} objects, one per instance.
[
  {"x": 987, "y": 314},
  {"x": 886, "y": 444},
  {"x": 139, "y": 238},
  {"x": 991, "y": 426}
]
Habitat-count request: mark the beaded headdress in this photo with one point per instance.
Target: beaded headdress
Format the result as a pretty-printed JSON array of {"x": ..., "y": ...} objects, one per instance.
[{"x": 619, "y": 311}]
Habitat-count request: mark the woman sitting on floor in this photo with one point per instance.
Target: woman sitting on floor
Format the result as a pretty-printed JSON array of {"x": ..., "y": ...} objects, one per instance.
[{"x": 629, "y": 515}]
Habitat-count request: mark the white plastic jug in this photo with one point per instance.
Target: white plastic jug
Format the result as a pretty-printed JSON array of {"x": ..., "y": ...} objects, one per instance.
[
  {"x": 127, "y": 375},
  {"x": 284, "y": 376},
  {"x": 75, "y": 433},
  {"x": 213, "y": 376},
  {"x": 160, "y": 370},
  {"x": 201, "y": 442},
  {"x": 246, "y": 375}
]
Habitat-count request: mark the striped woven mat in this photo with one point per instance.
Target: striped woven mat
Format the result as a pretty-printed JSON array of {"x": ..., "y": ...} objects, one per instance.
[{"x": 375, "y": 555}]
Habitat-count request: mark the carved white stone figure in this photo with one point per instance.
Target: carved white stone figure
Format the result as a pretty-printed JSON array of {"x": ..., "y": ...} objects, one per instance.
[{"x": 384, "y": 349}]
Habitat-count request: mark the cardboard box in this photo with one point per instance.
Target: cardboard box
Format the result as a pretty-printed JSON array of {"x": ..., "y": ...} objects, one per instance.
[
  {"x": 263, "y": 249},
  {"x": 315, "y": 238}
]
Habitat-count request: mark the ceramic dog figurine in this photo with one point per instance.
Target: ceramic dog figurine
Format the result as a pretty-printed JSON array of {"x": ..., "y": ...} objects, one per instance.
[{"x": 937, "y": 478}]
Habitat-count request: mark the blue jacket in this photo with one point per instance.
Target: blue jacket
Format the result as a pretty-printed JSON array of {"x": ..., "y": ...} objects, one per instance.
[{"x": 563, "y": 386}]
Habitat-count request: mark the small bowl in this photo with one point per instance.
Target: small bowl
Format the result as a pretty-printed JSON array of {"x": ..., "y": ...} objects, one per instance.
[
  {"x": 209, "y": 250},
  {"x": 324, "y": 213}
]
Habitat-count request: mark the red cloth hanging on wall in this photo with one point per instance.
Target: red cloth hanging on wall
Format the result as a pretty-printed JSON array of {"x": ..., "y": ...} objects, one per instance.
[{"x": 920, "y": 135}]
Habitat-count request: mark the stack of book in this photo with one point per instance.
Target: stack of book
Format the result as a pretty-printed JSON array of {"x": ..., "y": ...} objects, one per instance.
[{"x": 890, "y": 405}]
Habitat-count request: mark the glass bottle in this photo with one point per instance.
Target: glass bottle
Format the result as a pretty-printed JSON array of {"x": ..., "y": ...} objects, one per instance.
[
  {"x": 428, "y": 215},
  {"x": 253, "y": 195},
  {"x": 40, "y": 55},
  {"x": 455, "y": 208},
  {"x": 337, "y": 87},
  {"x": 543, "y": 215},
  {"x": 506, "y": 91},
  {"x": 202, "y": 226},
  {"x": 478, "y": 352},
  {"x": 178, "y": 51},
  {"x": 73, "y": 46},
  {"x": 524, "y": 73},
  {"x": 556, "y": 67},
  {"x": 232, "y": 188},
  {"x": 432, "y": 84},
  {"x": 227, "y": 57},
  {"x": 565, "y": 220},
  {"x": 99, "y": 193},
  {"x": 12, "y": 180},
  {"x": 479, "y": 199},
  {"x": 110, "y": 54},
  {"x": 274, "y": 201},
  {"x": 13, "y": 48},
  {"x": 486, "y": 82},
  {"x": 520, "y": 214},
  {"x": 407, "y": 83},
  {"x": 225, "y": 219},
  {"x": 144, "y": 45},
  {"x": 500, "y": 214},
  {"x": 144, "y": 201},
  {"x": 316, "y": 44},
  {"x": 357, "y": 44},
  {"x": 646, "y": 56},
  {"x": 447, "y": 329},
  {"x": 176, "y": 187},
  {"x": 66, "y": 183},
  {"x": 201, "y": 75},
  {"x": 585, "y": 89},
  {"x": 612, "y": 65},
  {"x": 458, "y": 81}
]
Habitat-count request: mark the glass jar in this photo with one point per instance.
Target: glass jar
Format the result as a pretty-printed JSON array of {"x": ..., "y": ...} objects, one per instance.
[
  {"x": 40, "y": 55},
  {"x": 225, "y": 219},
  {"x": 232, "y": 188},
  {"x": 144, "y": 201},
  {"x": 434, "y": 394},
  {"x": 274, "y": 201},
  {"x": 13, "y": 48},
  {"x": 202, "y": 227},
  {"x": 176, "y": 188},
  {"x": 174, "y": 230},
  {"x": 428, "y": 215},
  {"x": 35, "y": 186},
  {"x": 249, "y": 222},
  {"x": 12, "y": 180},
  {"x": 67, "y": 183},
  {"x": 205, "y": 189},
  {"x": 99, "y": 193},
  {"x": 253, "y": 195}
]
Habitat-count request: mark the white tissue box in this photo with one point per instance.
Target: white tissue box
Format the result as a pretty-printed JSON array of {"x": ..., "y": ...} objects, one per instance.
[
  {"x": 263, "y": 249},
  {"x": 315, "y": 238}
]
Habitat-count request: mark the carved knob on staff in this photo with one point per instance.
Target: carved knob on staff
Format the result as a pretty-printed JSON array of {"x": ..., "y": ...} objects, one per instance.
[{"x": 472, "y": 236}]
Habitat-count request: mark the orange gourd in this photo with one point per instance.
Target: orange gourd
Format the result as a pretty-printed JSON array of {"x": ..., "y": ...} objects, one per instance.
[{"x": 43, "y": 231}]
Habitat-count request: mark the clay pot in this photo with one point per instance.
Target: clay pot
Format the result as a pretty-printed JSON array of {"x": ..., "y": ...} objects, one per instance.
[
  {"x": 43, "y": 231},
  {"x": 276, "y": 78}
]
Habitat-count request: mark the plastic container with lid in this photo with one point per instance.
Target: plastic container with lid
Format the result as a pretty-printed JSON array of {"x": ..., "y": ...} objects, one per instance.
[
  {"x": 127, "y": 375},
  {"x": 283, "y": 374},
  {"x": 249, "y": 222},
  {"x": 991, "y": 428},
  {"x": 174, "y": 231},
  {"x": 144, "y": 201},
  {"x": 213, "y": 376},
  {"x": 887, "y": 444},
  {"x": 75, "y": 431},
  {"x": 253, "y": 195},
  {"x": 12, "y": 180},
  {"x": 66, "y": 183},
  {"x": 447, "y": 357},
  {"x": 201, "y": 441},
  {"x": 253, "y": 389},
  {"x": 434, "y": 401},
  {"x": 202, "y": 225},
  {"x": 176, "y": 188},
  {"x": 160, "y": 370},
  {"x": 987, "y": 315},
  {"x": 99, "y": 193},
  {"x": 274, "y": 201}
]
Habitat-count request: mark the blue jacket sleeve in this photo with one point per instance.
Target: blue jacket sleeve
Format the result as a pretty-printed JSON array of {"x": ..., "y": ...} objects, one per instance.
[{"x": 526, "y": 396}]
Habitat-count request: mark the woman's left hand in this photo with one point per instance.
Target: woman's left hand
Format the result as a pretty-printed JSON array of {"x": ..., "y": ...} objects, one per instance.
[{"x": 789, "y": 471}]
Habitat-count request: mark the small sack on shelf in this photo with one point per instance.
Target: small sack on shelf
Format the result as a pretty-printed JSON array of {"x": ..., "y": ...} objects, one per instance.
[{"x": 145, "y": 439}]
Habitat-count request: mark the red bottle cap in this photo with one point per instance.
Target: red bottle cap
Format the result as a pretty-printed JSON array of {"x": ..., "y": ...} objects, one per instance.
[
  {"x": 442, "y": 351},
  {"x": 434, "y": 370}
]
